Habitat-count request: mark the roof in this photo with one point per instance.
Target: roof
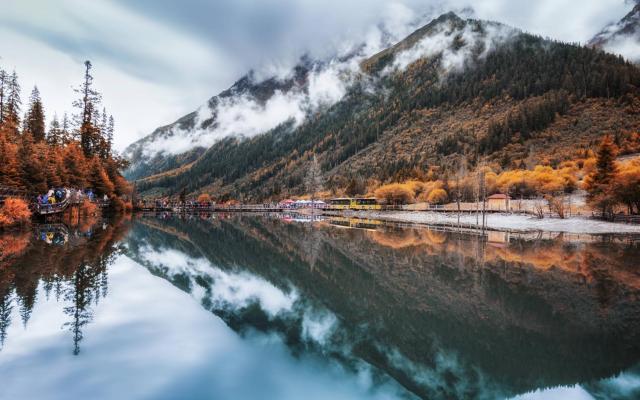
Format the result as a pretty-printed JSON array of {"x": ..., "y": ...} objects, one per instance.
[{"x": 498, "y": 196}]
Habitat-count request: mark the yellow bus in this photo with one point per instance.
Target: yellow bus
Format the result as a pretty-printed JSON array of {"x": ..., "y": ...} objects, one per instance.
[
  {"x": 356, "y": 223},
  {"x": 347, "y": 203}
]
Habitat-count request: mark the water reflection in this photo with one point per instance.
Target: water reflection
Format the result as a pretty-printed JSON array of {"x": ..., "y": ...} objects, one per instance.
[
  {"x": 335, "y": 308},
  {"x": 447, "y": 315},
  {"x": 67, "y": 263}
]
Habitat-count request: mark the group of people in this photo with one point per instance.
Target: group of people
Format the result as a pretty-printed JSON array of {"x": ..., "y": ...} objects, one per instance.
[
  {"x": 59, "y": 195},
  {"x": 54, "y": 196}
]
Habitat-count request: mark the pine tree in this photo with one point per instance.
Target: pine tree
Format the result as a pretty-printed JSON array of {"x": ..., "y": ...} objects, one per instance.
[
  {"x": 5, "y": 315},
  {"x": 9, "y": 167},
  {"x": 55, "y": 170},
  {"x": 87, "y": 105},
  {"x": 3, "y": 91},
  {"x": 11, "y": 119},
  {"x": 34, "y": 119},
  {"x": 98, "y": 178},
  {"x": 104, "y": 120},
  {"x": 80, "y": 295},
  {"x": 599, "y": 183},
  {"x": 67, "y": 135},
  {"x": 32, "y": 170},
  {"x": 76, "y": 165},
  {"x": 109, "y": 135},
  {"x": 54, "y": 136}
]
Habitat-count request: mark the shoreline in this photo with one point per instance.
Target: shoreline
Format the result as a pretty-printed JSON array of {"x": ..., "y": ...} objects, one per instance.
[{"x": 516, "y": 223}]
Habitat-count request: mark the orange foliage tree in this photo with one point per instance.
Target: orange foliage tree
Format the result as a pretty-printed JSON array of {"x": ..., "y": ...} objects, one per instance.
[
  {"x": 599, "y": 183},
  {"x": 81, "y": 157},
  {"x": 14, "y": 212},
  {"x": 204, "y": 198}
]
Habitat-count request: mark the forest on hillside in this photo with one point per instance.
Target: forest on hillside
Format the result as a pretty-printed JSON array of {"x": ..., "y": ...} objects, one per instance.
[
  {"x": 516, "y": 92},
  {"x": 72, "y": 152}
]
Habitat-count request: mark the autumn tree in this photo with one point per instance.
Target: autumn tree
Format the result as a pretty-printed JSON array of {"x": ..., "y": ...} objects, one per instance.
[
  {"x": 599, "y": 183},
  {"x": 395, "y": 193},
  {"x": 56, "y": 171},
  {"x": 437, "y": 196},
  {"x": 76, "y": 165},
  {"x": 9, "y": 167},
  {"x": 98, "y": 178},
  {"x": 626, "y": 186},
  {"x": 32, "y": 170},
  {"x": 204, "y": 198}
]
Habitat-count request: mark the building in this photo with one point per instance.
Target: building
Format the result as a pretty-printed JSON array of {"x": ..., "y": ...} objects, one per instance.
[{"x": 499, "y": 202}]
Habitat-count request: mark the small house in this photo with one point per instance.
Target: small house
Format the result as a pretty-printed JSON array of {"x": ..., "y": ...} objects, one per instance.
[{"x": 499, "y": 202}]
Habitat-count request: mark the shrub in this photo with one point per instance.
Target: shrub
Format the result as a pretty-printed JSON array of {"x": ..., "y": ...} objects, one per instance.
[
  {"x": 204, "y": 198},
  {"x": 14, "y": 212},
  {"x": 437, "y": 196},
  {"x": 395, "y": 193}
]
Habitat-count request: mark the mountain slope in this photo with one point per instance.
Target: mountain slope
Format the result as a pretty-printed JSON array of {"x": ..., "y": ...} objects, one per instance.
[
  {"x": 183, "y": 141},
  {"x": 622, "y": 37},
  {"x": 430, "y": 99}
]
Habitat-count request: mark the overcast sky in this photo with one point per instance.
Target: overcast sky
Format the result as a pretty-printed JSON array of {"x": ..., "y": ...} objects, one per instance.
[{"x": 156, "y": 60}]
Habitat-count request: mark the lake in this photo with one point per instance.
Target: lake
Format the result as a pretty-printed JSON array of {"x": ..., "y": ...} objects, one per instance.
[{"x": 281, "y": 307}]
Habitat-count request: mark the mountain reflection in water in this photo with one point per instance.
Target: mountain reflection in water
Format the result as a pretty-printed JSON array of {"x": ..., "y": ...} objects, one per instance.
[{"x": 338, "y": 308}]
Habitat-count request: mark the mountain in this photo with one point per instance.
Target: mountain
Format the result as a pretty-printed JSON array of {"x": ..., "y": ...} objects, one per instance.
[
  {"x": 183, "y": 141},
  {"x": 454, "y": 88},
  {"x": 622, "y": 37}
]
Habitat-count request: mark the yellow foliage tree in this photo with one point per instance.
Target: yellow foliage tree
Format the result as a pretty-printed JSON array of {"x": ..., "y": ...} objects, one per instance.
[
  {"x": 395, "y": 193},
  {"x": 437, "y": 196}
]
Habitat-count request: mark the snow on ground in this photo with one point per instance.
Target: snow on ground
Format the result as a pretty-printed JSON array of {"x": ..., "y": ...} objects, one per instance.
[{"x": 511, "y": 222}]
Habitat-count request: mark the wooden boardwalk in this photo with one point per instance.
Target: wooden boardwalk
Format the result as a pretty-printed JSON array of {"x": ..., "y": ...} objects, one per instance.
[{"x": 44, "y": 209}]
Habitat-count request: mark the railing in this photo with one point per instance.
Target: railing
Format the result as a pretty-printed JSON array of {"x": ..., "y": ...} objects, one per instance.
[
  {"x": 46, "y": 209},
  {"x": 626, "y": 219}
]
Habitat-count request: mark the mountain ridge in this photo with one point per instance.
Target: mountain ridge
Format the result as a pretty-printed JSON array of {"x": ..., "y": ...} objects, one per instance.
[
  {"x": 487, "y": 68},
  {"x": 622, "y": 37}
]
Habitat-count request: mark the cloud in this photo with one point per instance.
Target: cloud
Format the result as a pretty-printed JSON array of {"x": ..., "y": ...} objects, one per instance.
[
  {"x": 245, "y": 116},
  {"x": 628, "y": 46},
  {"x": 171, "y": 56},
  {"x": 443, "y": 44},
  {"x": 229, "y": 290}
]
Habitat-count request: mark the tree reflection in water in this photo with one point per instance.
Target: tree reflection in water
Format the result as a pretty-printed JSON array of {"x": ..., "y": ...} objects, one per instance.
[
  {"x": 69, "y": 262},
  {"x": 447, "y": 315},
  {"x": 444, "y": 314}
]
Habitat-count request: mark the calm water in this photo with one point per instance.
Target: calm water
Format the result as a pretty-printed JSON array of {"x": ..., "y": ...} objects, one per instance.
[{"x": 248, "y": 307}]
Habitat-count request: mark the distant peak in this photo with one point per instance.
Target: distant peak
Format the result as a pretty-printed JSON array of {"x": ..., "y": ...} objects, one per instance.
[{"x": 450, "y": 16}]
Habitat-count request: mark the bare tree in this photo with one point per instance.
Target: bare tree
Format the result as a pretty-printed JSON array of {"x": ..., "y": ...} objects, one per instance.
[
  {"x": 538, "y": 209},
  {"x": 557, "y": 205},
  {"x": 313, "y": 180},
  {"x": 460, "y": 174}
]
